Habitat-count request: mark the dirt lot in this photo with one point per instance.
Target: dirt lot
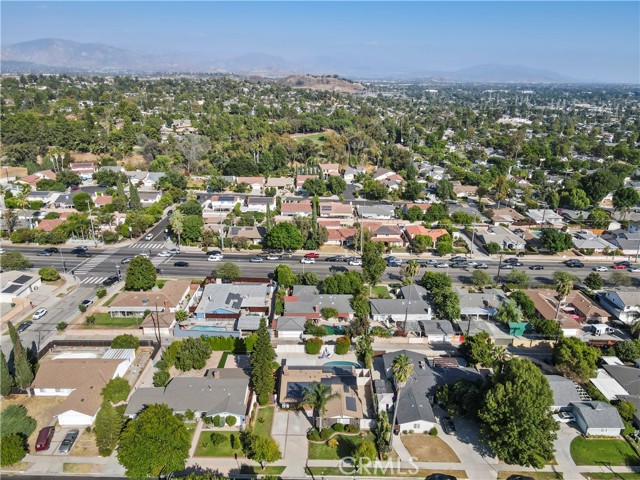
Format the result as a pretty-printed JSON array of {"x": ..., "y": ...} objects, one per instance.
[
  {"x": 426, "y": 448},
  {"x": 211, "y": 363},
  {"x": 85, "y": 446},
  {"x": 40, "y": 408}
]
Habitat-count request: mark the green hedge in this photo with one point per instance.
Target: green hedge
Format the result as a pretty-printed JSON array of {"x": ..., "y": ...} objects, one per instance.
[
  {"x": 231, "y": 344},
  {"x": 342, "y": 345},
  {"x": 313, "y": 345}
]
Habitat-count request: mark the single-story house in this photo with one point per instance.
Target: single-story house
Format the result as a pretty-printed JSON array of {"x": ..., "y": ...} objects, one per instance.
[
  {"x": 306, "y": 302},
  {"x": 413, "y": 306},
  {"x": 545, "y": 216},
  {"x": 221, "y": 392},
  {"x": 290, "y": 327},
  {"x": 330, "y": 169},
  {"x": 350, "y": 173},
  {"x": 162, "y": 323},
  {"x": 504, "y": 237},
  {"x": 149, "y": 197},
  {"x": 260, "y": 204},
  {"x": 341, "y": 236},
  {"x": 506, "y": 216},
  {"x": 254, "y": 235},
  {"x": 43, "y": 196},
  {"x": 34, "y": 178},
  {"x": 279, "y": 183},
  {"x": 232, "y": 300},
  {"x": 436, "y": 331},
  {"x": 17, "y": 284},
  {"x": 49, "y": 224},
  {"x": 171, "y": 297},
  {"x": 565, "y": 392},
  {"x": 376, "y": 212},
  {"x": 335, "y": 210},
  {"x": 412, "y": 231},
  {"x": 587, "y": 240},
  {"x": 256, "y": 183},
  {"x": 480, "y": 305},
  {"x": 302, "y": 208},
  {"x": 597, "y": 418}
]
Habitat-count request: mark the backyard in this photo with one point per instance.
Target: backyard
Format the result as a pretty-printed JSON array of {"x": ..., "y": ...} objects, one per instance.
[
  {"x": 346, "y": 446},
  {"x": 104, "y": 320},
  {"x": 380, "y": 291},
  {"x": 600, "y": 451},
  {"x": 426, "y": 448}
]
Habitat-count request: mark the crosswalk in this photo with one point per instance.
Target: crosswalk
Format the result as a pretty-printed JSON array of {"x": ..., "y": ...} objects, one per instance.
[
  {"x": 90, "y": 264},
  {"x": 148, "y": 245},
  {"x": 93, "y": 280}
]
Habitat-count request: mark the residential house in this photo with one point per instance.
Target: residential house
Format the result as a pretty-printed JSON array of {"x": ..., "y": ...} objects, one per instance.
[
  {"x": 329, "y": 169},
  {"x": 80, "y": 378},
  {"x": 585, "y": 240},
  {"x": 102, "y": 200},
  {"x": 412, "y": 231},
  {"x": 144, "y": 179},
  {"x": 335, "y": 210},
  {"x": 376, "y": 212},
  {"x": 64, "y": 200},
  {"x": 17, "y": 284},
  {"x": 260, "y": 204},
  {"x": 390, "y": 235},
  {"x": 290, "y": 327},
  {"x": 158, "y": 323},
  {"x": 46, "y": 197},
  {"x": 229, "y": 301},
  {"x": 300, "y": 179},
  {"x": 623, "y": 305},
  {"x": 412, "y": 306},
  {"x": 480, "y": 305},
  {"x": 350, "y": 173},
  {"x": 148, "y": 198},
  {"x": 224, "y": 202},
  {"x": 597, "y": 419},
  {"x": 48, "y": 224},
  {"x": 252, "y": 235},
  {"x": 221, "y": 392},
  {"x": 382, "y": 174},
  {"x": 256, "y": 183},
  {"x": 545, "y": 216},
  {"x": 464, "y": 191},
  {"x": 506, "y": 216},
  {"x": 33, "y": 179},
  {"x": 343, "y": 236},
  {"x": 565, "y": 392},
  {"x": 436, "y": 331},
  {"x": 504, "y": 237},
  {"x": 302, "y": 208},
  {"x": 305, "y": 301},
  {"x": 627, "y": 242},
  {"x": 171, "y": 297},
  {"x": 347, "y": 407},
  {"x": 84, "y": 170},
  {"x": 280, "y": 183},
  {"x": 422, "y": 206}
]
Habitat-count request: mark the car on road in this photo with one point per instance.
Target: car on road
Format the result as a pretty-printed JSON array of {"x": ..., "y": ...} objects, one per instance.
[
  {"x": 600, "y": 269},
  {"x": 441, "y": 476},
  {"x": 69, "y": 440},
  {"x": 428, "y": 263},
  {"x": 76, "y": 250},
  {"x": 336, "y": 258},
  {"x": 44, "y": 253},
  {"x": 174, "y": 251},
  {"x": 52, "y": 250},
  {"x": 573, "y": 263},
  {"x": 442, "y": 265},
  {"x": 84, "y": 254},
  {"x": 111, "y": 281},
  {"x": 481, "y": 266},
  {"x": 633, "y": 269},
  {"x": 256, "y": 260},
  {"x": 307, "y": 260},
  {"x": 448, "y": 426},
  {"x": 165, "y": 253},
  {"x": 355, "y": 262},
  {"x": 2, "y": 250},
  {"x": 312, "y": 255},
  {"x": 215, "y": 257},
  {"x": 513, "y": 261},
  {"x": 536, "y": 267},
  {"x": 148, "y": 236},
  {"x": 126, "y": 260},
  {"x": 624, "y": 263},
  {"x": 87, "y": 302},
  {"x": 213, "y": 252},
  {"x": 463, "y": 264},
  {"x": 273, "y": 256},
  {"x": 619, "y": 266},
  {"x": 508, "y": 266},
  {"x": 393, "y": 260},
  {"x": 38, "y": 314},
  {"x": 181, "y": 264},
  {"x": 23, "y": 326}
]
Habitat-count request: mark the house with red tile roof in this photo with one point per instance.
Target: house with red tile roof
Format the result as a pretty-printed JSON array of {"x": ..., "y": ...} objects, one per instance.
[
  {"x": 343, "y": 236},
  {"x": 296, "y": 209},
  {"x": 34, "y": 178},
  {"x": 49, "y": 224}
]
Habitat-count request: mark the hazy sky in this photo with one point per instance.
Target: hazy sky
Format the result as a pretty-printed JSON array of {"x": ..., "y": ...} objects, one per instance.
[{"x": 584, "y": 40}]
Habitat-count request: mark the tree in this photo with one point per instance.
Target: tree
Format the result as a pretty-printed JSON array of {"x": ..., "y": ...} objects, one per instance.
[
  {"x": 402, "y": 368},
  {"x": 49, "y": 274},
  {"x": 408, "y": 271},
  {"x": 141, "y": 275},
  {"x": 563, "y": 284},
  {"x": 12, "y": 449},
  {"x": 177, "y": 224},
  {"x": 525, "y": 303},
  {"x": 284, "y": 276},
  {"x": 107, "y": 428},
  {"x": 382, "y": 431},
  {"x": 624, "y": 199},
  {"x": 134, "y": 197},
  {"x": 492, "y": 248},
  {"x": 575, "y": 359},
  {"x": 478, "y": 349},
  {"x": 262, "y": 357},
  {"x": 518, "y": 277},
  {"x": 555, "y": 240},
  {"x": 116, "y": 390},
  {"x": 192, "y": 228},
  {"x": 599, "y": 219},
  {"x": 421, "y": 243},
  {"x": 516, "y": 418},
  {"x": 264, "y": 450},
  {"x": 627, "y": 350},
  {"x": 126, "y": 340},
  {"x": 350, "y": 282},
  {"x": 444, "y": 245},
  {"x": 228, "y": 271},
  {"x": 434, "y": 281},
  {"x": 285, "y": 235},
  {"x": 68, "y": 178},
  {"x": 600, "y": 183},
  {"x": 16, "y": 419},
  {"x": 336, "y": 185},
  {"x": 154, "y": 443},
  {"x": 374, "y": 190},
  {"x": 315, "y": 186},
  {"x": 412, "y": 190},
  {"x": 365, "y": 453},
  {"x": 594, "y": 281},
  {"x": 14, "y": 260},
  {"x": 6, "y": 381},
  {"x": 444, "y": 190},
  {"x": 480, "y": 278},
  {"x": 317, "y": 397},
  {"x": 373, "y": 264},
  {"x": 578, "y": 199},
  {"x": 619, "y": 279},
  {"x": 22, "y": 369},
  {"x": 446, "y": 304},
  {"x": 508, "y": 312},
  {"x": 193, "y": 354},
  {"x": 82, "y": 201},
  {"x": 193, "y": 148}
]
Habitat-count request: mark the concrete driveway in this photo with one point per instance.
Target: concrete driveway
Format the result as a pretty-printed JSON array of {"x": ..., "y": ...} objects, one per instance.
[{"x": 290, "y": 431}]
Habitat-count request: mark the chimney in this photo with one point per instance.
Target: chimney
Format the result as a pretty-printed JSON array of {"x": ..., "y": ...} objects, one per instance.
[
  {"x": 285, "y": 370},
  {"x": 166, "y": 305}
]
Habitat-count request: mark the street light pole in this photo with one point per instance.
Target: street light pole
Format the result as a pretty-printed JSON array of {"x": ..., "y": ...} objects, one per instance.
[{"x": 499, "y": 267}]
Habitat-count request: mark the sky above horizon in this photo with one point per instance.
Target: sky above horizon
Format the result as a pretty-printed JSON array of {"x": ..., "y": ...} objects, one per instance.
[{"x": 589, "y": 41}]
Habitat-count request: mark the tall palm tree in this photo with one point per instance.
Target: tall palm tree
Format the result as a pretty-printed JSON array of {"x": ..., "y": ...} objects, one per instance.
[
  {"x": 402, "y": 369},
  {"x": 21, "y": 199},
  {"x": 318, "y": 397},
  {"x": 563, "y": 284},
  {"x": 410, "y": 270},
  {"x": 177, "y": 224}
]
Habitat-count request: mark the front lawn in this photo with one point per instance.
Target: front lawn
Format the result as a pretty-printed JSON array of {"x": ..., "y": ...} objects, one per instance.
[
  {"x": 380, "y": 291},
  {"x": 610, "y": 476},
  {"x": 104, "y": 320},
  {"x": 599, "y": 451},
  {"x": 346, "y": 446},
  {"x": 425, "y": 448},
  {"x": 264, "y": 421},
  {"x": 206, "y": 449},
  {"x": 267, "y": 470}
]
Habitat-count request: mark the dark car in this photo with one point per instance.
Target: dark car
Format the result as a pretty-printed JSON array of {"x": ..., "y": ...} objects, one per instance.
[
  {"x": 337, "y": 258},
  {"x": 110, "y": 281},
  {"x": 520, "y": 477},
  {"x": 457, "y": 259},
  {"x": 44, "y": 254},
  {"x": 440, "y": 476},
  {"x": 169, "y": 212},
  {"x": 536, "y": 267},
  {"x": 624, "y": 263},
  {"x": 44, "y": 438},
  {"x": 448, "y": 426},
  {"x": 213, "y": 252},
  {"x": 52, "y": 250},
  {"x": 24, "y": 325},
  {"x": 394, "y": 263},
  {"x": 573, "y": 263},
  {"x": 69, "y": 440},
  {"x": 181, "y": 264},
  {"x": 83, "y": 254}
]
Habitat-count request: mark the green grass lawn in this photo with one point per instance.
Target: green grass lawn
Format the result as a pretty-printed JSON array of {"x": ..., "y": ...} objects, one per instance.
[
  {"x": 603, "y": 451},
  {"x": 315, "y": 138},
  {"x": 264, "y": 421},
  {"x": 346, "y": 446},
  {"x": 206, "y": 449},
  {"x": 610, "y": 476},
  {"x": 106, "y": 320},
  {"x": 380, "y": 291},
  {"x": 191, "y": 429},
  {"x": 223, "y": 359},
  {"x": 267, "y": 470}
]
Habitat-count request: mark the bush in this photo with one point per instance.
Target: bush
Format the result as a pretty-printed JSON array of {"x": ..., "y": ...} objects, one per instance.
[
  {"x": 162, "y": 365},
  {"x": 311, "y": 328},
  {"x": 82, "y": 308},
  {"x": 326, "y": 433},
  {"x": 352, "y": 428},
  {"x": 12, "y": 449},
  {"x": 101, "y": 292},
  {"x": 161, "y": 378},
  {"x": 116, "y": 390},
  {"x": 263, "y": 398},
  {"x": 61, "y": 326},
  {"x": 338, "y": 427},
  {"x": 15, "y": 419},
  {"x": 329, "y": 312},
  {"x": 313, "y": 345},
  {"x": 313, "y": 435},
  {"x": 433, "y": 432},
  {"x": 217, "y": 439},
  {"x": 231, "y": 420},
  {"x": 235, "y": 442},
  {"x": 216, "y": 421},
  {"x": 333, "y": 443},
  {"x": 380, "y": 332},
  {"x": 90, "y": 320},
  {"x": 342, "y": 345},
  {"x": 125, "y": 341},
  {"x": 48, "y": 274}
]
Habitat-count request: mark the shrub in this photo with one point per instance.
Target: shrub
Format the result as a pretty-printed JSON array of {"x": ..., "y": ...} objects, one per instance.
[
  {"x": 161, "y": 378},
  {"x": 263, "y": 398},
  {"x": 231, "y": 420},
  {"x": 189, "y": 415},
  {"x": 162, "y": 365},
  {"x": 313, "y": 435},
  {"x": 411, "y": 431},
  {"x": 217, "y": 439},
  {"x": 235, "y": 441},
  {"x": 338, "y": 427},
  {"x": 216, "y": 421},
  {"x": 61, "y": 326},
  {"x": 101, "y": 292},
  {"x": 116, "y": 390},
  {"x": 342, "y": 345},
  {"x": 313, "y": 345},
  {"x": 125, "y": 341},
  {"x": 333, "y": 443},
  {"x": 329, "y": 312},
  {"x": 352, "y": 428},
  {"x": 48, "y": 274},
  {"x": 326, "y": 433},
  {"x": 310, "y": 328},
  {"x": 90, "y": 320},
  {"x": 82, "y": 308},
  {"x": 15, "y": 419},
  {"x": 433, "y": 432},
  {"x": 380, "y": 332},
  {"x": 12, "y": 449}
]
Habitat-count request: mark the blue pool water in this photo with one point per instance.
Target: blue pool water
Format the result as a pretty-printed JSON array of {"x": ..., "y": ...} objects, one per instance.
[
  {"x": 334, "y": 330},
  {"x": 342, "y": 363},
  {"x": 204, "y": 328}
]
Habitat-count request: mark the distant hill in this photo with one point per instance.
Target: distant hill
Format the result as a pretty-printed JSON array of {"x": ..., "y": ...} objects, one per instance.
[
  {"x": 323, "y": 83},
  {"x": 496, "y": 73}
]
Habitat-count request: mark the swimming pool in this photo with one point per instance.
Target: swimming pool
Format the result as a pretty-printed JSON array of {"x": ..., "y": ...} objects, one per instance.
[
  {"x": 334, "y": 329},
  {"x": 341, "y": 363},
  {"x": 205, "y": 328}
]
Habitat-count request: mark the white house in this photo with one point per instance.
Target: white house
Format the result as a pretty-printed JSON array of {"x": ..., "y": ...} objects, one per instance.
[
  {"x": 624, "y": 305},
  {"x": 18, "y": 284},
  {"x": 290, "y": 327},
  {"x": 597, "y": 419},
  {"x": 260, "y": 204},
  {"x": 224, "y": 202}
]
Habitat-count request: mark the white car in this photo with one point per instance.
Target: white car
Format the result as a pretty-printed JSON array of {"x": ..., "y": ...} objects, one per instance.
[
  {"x": 634, "y": 269},
  {"x": 307, "y": 260},
  {"x": 355, "y": 262},
  {"x": 41, "y": 312},
  {"x": 165, "y": 254},
  {"x": 600, "y": 269},
  {"x": 145, "y": 255},
  {"x": 442, "y": 265},
  {"x": 214, "y": 258},
  {"x": 148, "y": 236},
  {"x": 564, "y": 417}
]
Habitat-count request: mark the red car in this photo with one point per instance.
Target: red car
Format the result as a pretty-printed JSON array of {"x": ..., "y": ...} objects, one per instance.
[
  {"x": 312, "y": 255},
  {"x": 619, "y": 267}
]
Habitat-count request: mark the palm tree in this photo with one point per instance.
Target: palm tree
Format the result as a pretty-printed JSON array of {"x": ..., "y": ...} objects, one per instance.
[
  {"x": 563, "y": 283},
  {"x": 177, "y": 224},
  {"x": 409, "y": 271},
  {"x": 318, "y": 397},
  {"x": 21, "y": 199},
  {"x": 402, "y": 369},
  {"x": 635, "y": 330}
]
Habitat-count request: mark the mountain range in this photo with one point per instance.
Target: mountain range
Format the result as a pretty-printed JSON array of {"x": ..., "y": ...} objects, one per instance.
[{"x": 50, "y": 55}]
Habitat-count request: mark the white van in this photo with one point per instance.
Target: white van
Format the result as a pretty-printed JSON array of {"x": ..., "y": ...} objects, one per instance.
[{"x": 600, "y": 329}]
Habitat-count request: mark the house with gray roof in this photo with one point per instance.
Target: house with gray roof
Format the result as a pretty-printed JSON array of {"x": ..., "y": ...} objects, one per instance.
[
  {"x": 565, "y": 392},
  {"x": 290, "y": 327},
  {"x": 480, "y": 305},
  {"x": 223, "y": 392},
  {"x": 622, "y": 304},
  {"x": 504, "y": 237},
  {"x": 412, "y": 306},
  {"x": 306, "y": 302},
  {"x": 376, "y": 212},
  {"x": 597, "y": 418},
  {"x": 231, "y": 300}
]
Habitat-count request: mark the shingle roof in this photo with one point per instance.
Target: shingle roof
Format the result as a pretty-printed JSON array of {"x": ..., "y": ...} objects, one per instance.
[
  {"x": 564, "y": 390},
  {"x": 231, "y": 298},
  {"x": 290, "y": 324},
  {"x": 598, "y": 414}
]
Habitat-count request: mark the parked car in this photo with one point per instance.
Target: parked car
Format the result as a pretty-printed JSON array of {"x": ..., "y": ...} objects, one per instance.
[
  {"x": 44, "y": 254},
  {"x": 38, "y": 314},
  {"x": 600, "y": 269},
  {"x": 355, "y": 262},
  {"x": 312, "y": 255},
  {"x": 148, "y": 236},
  {"x": 564, "y": 417},
  {"x": 23, "y": 326},
  {"x": 111, "y": 281},
  {"x": 536, "y": 267},
  {"x": 69, "y": 440},
  {"x": 84, "y": 254},
  {"x": 43, "y": 442},
  {"x": 481, "y": 266},
  {"x": 306, "y": 259},
  {"x": 87, "y": 302},
  {"x": 448, "y": 426},
  {"x": 126, "y": 260},
  {"x": 215, "y": 258},
  {"x": 256, "y": 260},
  {"x": 181, "y": 264}
]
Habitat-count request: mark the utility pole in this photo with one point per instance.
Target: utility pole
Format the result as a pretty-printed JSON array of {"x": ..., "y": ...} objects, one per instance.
[
  {"x": 499, "y": 267},
  {"x": 93, "y": 232}
]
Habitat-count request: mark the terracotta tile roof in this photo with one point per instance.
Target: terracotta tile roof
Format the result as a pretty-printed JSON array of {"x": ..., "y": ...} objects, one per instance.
[
  {"x": 250, "y": 180},
  {"x": 49, "y": 224},
  {"x": 296, "y": 207}
]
